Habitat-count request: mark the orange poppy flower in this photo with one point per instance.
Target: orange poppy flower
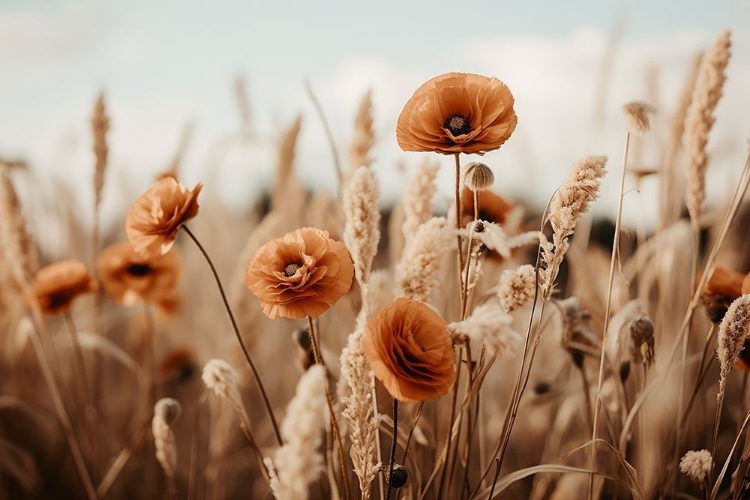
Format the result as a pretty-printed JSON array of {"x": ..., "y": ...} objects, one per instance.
[
  {"x": 457, "y": 113},
  {"x": 301, "y": 274},
  {"x": 492, "y": 207},
  {"x": 410, "y": 351},
  {"x": 58, "y": 284},
  {"x": 724, "y": 287},
  {"x": 130, "y": 278},
  {"x": 155, "y": 217}
]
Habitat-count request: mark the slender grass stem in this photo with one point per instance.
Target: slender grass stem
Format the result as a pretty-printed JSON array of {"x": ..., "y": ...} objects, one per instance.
[
  {"x": 459, "y": 254},
  {"x": 392, "y": 459},
  {"x": 607, "y": 311},
  {"x": 249, "y": 360}
]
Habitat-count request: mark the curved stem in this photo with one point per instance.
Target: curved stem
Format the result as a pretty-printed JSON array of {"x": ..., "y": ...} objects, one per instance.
[
  {"x": 266, "y": 401},
  {"x": 392, "y": 460},
  {"x": 334, "y": 424}
]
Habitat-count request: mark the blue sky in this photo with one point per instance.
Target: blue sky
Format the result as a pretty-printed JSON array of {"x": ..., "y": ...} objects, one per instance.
[{"x": 163, "y": 63}]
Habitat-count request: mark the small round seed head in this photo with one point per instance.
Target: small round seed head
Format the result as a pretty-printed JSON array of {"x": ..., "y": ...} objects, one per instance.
[
  {"x": 478, "y": 176},
  {"x": 400, "y": 476}
]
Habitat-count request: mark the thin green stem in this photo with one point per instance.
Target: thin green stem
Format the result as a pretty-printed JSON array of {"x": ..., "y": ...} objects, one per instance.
[{"x": 249, "y": 360}]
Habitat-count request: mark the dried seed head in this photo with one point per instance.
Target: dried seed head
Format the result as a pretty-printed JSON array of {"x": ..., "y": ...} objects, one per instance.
[
  {"x": 478, "y": 176},
  {"x": 642, "y": 337},
  {"x": 732, "y": 333},
  {"x": 637, "y": 114},
  {"x": 517, "y": 287},
  {"x": 168, "y": 410},
  {"x": 696, "y": 465}
]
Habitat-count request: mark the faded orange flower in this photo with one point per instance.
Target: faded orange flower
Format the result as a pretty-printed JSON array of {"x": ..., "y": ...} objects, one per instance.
[
  {"x": 410, "y": 351},
  {"x": 130, "y": 278},
  {"x": 301, "y": 274},
  {"x": 457, "y": 113},
  {"x": 492, "y": 207},
  {"x": 155, "y": 217},
  {"x": 724, "y": 287},
  {"x": 58, "y": 284}
]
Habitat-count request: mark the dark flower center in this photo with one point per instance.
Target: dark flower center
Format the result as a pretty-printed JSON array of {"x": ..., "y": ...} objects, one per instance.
[
  {"x": 457, "y": 125},
  {"x": 139, "y": 269},
  {"x": 290, "y": 270}
]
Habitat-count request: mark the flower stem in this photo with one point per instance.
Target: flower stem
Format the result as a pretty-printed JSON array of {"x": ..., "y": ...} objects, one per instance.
[
  {"x": 459, "y": 255},
  {"x": 392, "y": 460},
  {"x": 334, "y": 423},
  {"x": 239, "y": 337}
]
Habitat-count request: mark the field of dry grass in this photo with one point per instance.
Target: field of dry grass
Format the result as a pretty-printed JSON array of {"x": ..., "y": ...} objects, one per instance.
[{"x": 322, "y": 345}]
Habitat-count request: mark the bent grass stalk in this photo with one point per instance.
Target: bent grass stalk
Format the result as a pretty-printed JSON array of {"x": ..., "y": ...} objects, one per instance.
[{"x": 236, "y": 329}]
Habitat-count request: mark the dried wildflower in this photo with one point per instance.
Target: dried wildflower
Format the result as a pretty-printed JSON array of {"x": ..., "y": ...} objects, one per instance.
[
  {"x": 488, "y": 324},
  {"x": 700, "y": 119},
  {"x": 130, "y": 278},
  {"x": 362, "y": 230},
  {"x": 155, "y": 217},
  {"x": 417, "y": 272},
  {"x": 637, "y": 114},
  {"x": 517, "y": 287},
  {"x": 696, "y": 465},
  {"x": 457, "y": 113},
  {"x": 724, "y": 287},
  {"x": 359, "y": 412},
  {"x": 477, "y": 176},
  {"x": 166, "y": 411},
  {"x": 298, "y": 463},
  {"x": 630, "y": 337},
  {"x": 568, "y": 204},
  {"x": 410, "y": 351},
  {"x": 58, "y": 284},
  {"x": 494, "y": 237},
  {"x": 301, "y": 274}
]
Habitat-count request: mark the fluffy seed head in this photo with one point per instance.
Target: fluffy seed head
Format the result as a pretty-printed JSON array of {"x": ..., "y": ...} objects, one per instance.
[
  {"x": 517, "y": 287},
  {"x": 637, "y": 114},
  {"x": 696, "y": 465},
  {"x": 732, "y": 333}
]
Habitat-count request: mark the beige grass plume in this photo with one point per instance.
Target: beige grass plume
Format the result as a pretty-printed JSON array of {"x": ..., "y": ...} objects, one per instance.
[
  {"x": 494, "y": 237},
  {"x": 418, "y": 271},
  {"x": 287, "y": 189},
  {"x": 362, "y": 229},
  {"x": 223, "y": 380},
  {"x": 417, "y": 202},
  {"x": 166, "y": 411},
  {"x": 516, "y": 287},
  {"x": 364, "y": 136},
  {"x": 298, "y": 463},
  {"x": 99, "y": 128},
  {"x": 700, "y": 119},
  {"x": 733, "y": 330},
  {"x": 16, "y": 244},
  {"x": 358, "y": 411},
  {"x": 568, "y": 204},
  {"x": 637, "y": 114}
]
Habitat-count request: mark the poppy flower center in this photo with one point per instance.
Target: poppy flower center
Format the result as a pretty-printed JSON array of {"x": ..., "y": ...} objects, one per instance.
[
  {"x": 139, "y": 269},
  {"x": 290, "y": 270},
  {"x": 457, "y": 125}
]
